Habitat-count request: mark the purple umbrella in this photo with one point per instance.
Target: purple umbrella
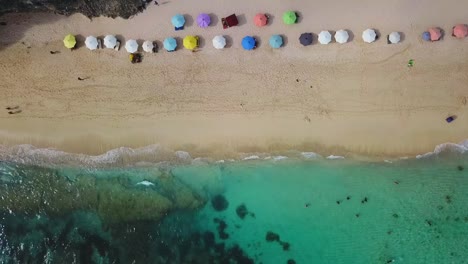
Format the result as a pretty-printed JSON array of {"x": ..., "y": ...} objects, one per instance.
[{"x": 203, "y": 20}]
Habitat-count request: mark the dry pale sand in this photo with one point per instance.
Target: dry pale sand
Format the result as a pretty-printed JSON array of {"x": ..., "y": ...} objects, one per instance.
[{"x": 353, "y": 98}]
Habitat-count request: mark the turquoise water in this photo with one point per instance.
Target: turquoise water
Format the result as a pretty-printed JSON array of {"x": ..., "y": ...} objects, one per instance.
[{"x": 315, "y": 211}]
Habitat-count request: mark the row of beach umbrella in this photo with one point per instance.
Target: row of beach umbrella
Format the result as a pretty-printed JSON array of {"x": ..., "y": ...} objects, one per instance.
[
  {"x": 260, "y": 19},
  {"x": 248, "y": 43}
]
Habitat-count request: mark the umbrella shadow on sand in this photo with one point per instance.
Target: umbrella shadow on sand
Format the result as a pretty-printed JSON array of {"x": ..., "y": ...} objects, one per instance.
[
  {"x": 299, "y": 17},
  {"x": 351, "y": 35},
  {"x": 201, "y": 42},
  {"x": 188, "y": 20},
  {"x": 180, "y": 43},
  {"x": 214, "y": 20},
  {"x": 258, "y": 41},
  {"x": 80, "y": 41},
  {"x": 241, "y": 19},
  {"x": 122, "y": 40},
  {"x": 229, "y": 41},
  {"x": 271, "y": 19},
  {"x": 285, "y": 40}
]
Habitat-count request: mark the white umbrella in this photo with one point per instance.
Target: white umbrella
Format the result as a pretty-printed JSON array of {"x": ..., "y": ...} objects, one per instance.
[
  {"x": 219, "y": 42},
  {"x": 131, "y": 46},
  {"x": 91, "y": 42},
  {"x": 369, "y": 35},
  {"x": 148, "y": 46},
  {"x": 110, "y": 41},
  {"x": 341, "y": 36},
  {"x": 324, "y": 37},
  {"x": 394, "y": 37}
]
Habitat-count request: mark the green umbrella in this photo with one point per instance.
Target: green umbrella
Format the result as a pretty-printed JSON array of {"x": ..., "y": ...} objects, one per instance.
[{"x": 289, "y": 17}]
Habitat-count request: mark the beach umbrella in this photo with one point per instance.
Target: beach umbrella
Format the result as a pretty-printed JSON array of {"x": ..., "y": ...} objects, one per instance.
[
  {"x": 341, "y": 36},
  {"x": 148, "y": 46},
  {"x": 289, "y": 17},
  {"x": 91, "y": 42},
  {"x": 260, "y": 20},
  {"x": 110, "y": 41},
  {"x": 394, "y": 37},
  {"x": 190, "y": 42},
  {"x": 276, "y": 41},
  {"x": 426, "y": 36},
  {"x": 306, "y": 39},
  {"x": 170, "y": 44},
  {"x": 203, "y": 20},
  {"x": 436, "y": 34},
  {"x": 369, "y": 35},
  {"x": 178, "y": 21},
  {"x": 69, "y": 41},
  {"x": 249, "y": 43},
  {"x": 324, "y": 37},
  {"x": 131, "y": 46},
  {"x": 460, "y": 31},
  {"x": 219, "y": 42}
]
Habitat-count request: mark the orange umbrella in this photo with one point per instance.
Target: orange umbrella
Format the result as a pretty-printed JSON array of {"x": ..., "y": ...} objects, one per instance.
[
  {"x": 260, "y": 20},
  {"x": 460, "y": 31},
  {"x": 435, "y": 33}
]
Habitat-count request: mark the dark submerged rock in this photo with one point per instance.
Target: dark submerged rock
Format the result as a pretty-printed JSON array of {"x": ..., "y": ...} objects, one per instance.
[
  {"x": 219, "y": 203},
  {"x": 460, "y": 167},
  {"x": 291, "y": 261},
  {"x": 242, "y": 211},
  {"x": 270, "y": 237},
  {"x": 285, "y": 246}
]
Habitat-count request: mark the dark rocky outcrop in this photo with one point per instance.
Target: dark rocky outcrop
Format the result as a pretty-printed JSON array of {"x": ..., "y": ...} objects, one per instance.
[{"x": 89, "y": 8}]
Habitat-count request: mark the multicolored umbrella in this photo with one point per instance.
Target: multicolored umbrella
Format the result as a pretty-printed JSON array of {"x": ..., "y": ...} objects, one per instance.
[
  {"x": 341, "y": 36},
  {"x": 148, "y": 46},
  {"x": 260, "y": 20},
  {"x": 289, "y": 17},
  {"x": 426, "y": 36},
  {"x": 436, "y": 33},
  {"x": 110, "y": 41},
  {"x": 170, "y": 44},
  {"x": 203, "y": 20},
  {"x": 219, "y": 42},
  {"x": 178, "y": 21},
  {"x": 369, "y": 35},
  {"x": 394, "y": 38},
  {"x": 276, "y": 41},
  {"x": 69, "y": 41},
  {"x": 249, "y": 43},
  {"x": 91, "y": 42},
  {"x": 306, "y": 39},
  {"x": 190, "y": 42},
  {"x": 460, "y": 31},
  {"x": 131, "y": 46},
  {"x": 324, "y": 37}
]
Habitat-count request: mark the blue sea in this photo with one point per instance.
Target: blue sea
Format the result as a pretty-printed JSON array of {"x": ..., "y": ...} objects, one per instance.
[{"x": 134, "y": 206}]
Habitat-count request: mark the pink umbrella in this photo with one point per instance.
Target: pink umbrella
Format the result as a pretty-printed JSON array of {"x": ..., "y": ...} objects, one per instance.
[
  {"x": 460, "y": 31},
  {"x": 436, "y": 34},
  {"x": 203, "y": 20},
  {"x": 260, "y": 20}
]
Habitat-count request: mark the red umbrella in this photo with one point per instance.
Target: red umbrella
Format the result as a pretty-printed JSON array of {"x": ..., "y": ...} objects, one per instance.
[
  {"x": 260, "y": 20},
  {"x": 460, "y": 31},
  {"x": 435, "y": 33}
]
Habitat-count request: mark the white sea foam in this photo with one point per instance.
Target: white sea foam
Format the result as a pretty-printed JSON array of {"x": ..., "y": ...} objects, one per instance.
[
  {"x": 460, "y": 148},
  {"x": 333, "y": 157},
  {"x": 278, "y": 158},
  {"x": 145, "y": 183},
  {"x": 253, "y": 157},
  {"x": 311, "y": 155}
]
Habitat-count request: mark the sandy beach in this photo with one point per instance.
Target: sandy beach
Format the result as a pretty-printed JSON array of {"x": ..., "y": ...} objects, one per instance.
[{"x": 332, "y": 99}]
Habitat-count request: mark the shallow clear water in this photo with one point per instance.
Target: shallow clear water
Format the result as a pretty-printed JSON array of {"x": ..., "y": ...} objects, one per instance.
[{"x": 322, "y": 211}]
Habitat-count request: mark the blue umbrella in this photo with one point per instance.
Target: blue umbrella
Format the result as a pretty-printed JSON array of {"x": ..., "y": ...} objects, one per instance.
[
  {"x": 178, "y": 21},
  {"x": 276, "y": 41},
  {"x": 426, "y": 36},
  {"x": 170, "y": 44},
  {"x": 248, "y": 43}
]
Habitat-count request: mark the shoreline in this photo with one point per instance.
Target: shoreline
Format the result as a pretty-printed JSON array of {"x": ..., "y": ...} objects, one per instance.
[{"x": 354, "y": 99}]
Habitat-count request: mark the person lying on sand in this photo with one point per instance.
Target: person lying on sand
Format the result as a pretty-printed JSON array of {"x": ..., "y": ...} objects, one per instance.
[
  {"x": 14, "y": 112},
  {"x": 12, "y": 107}
]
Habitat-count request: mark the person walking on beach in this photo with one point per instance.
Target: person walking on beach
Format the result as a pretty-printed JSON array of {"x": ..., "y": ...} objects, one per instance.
[{"x": 156, "y": 3}]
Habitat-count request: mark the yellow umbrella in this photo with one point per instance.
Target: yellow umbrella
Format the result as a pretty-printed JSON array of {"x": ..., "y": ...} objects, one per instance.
[
  {"x": 190, "y": 42},
  {"x": 69, "y": 41}
]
